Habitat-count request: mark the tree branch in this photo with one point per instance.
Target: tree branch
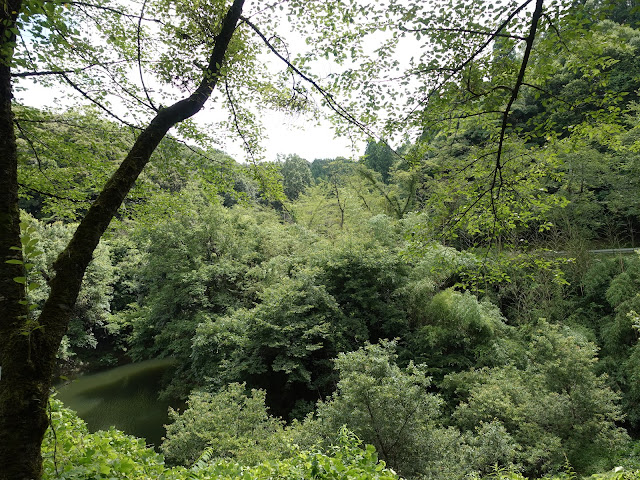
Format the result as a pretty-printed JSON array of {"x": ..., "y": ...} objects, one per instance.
[
  {"x": 547, "y": 92},
  {"x": 462, "y": 30},
  {"x": 537, "y": 13},
  {"x": 332, "y": 103},
  {"x": 457, "y": 69},
  {"x": 72, "y": 262},
  {"x": 115, "y": 11},
  {"x": 52, "y": 195},
  {"x": 64, "y": 72},
  {"x": 95, "y": 102},
  {"x": 139, "y": 46}
]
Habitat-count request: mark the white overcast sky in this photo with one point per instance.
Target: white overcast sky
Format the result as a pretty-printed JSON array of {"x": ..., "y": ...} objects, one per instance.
[
  {"x": 285, "y": 133},
  {"x": 289, "y": 134}
]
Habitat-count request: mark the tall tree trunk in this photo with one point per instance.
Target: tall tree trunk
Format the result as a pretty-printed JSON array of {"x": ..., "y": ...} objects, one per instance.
[
  {"x": 21, "y": 400},
  {"x": 28, "y": 360}
]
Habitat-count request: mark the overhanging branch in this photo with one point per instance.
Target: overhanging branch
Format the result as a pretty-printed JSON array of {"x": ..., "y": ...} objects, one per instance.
[
  {"x": 332, "y": 103},
  {"x": 459, "y": 68},
  {"x": 516, "y": 89}
]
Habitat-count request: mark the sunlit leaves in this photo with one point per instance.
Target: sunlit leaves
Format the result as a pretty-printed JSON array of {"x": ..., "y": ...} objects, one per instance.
[{"x": 73, "y": 453}]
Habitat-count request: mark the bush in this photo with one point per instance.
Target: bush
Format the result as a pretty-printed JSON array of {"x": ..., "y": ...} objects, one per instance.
[
  {"x": 71, "y": 453},
  {"x": 392, "y": 409},
  {"x": 458, "y": 332},
  {"x": 555, "y": 407},
  {"x": 228, "y": 424}
]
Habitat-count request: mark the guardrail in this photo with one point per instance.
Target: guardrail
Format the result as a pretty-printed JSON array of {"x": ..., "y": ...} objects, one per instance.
[{"x": 603, "y": 251}]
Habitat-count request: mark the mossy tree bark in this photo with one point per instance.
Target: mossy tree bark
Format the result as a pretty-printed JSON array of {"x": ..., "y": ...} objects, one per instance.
[{"x": 27, "y": 360}]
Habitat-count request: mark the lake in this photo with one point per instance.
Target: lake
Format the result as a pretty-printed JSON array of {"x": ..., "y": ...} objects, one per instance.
[{"x": 124, "y": 397}]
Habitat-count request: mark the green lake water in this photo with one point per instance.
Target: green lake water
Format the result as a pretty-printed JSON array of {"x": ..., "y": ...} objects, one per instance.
[{"x": 124, "y": 397}]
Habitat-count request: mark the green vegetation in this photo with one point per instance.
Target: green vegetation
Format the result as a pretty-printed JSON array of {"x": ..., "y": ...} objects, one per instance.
[
  {"x": 71, "y": 452},
  {"x": 436, "y": 309}
]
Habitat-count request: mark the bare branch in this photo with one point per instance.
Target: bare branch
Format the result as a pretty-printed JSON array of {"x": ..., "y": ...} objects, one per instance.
[
  {"x": 476, "y": 95},
  {"x": 33, "y": 149},
  {"x": 462, "y": 30},
  {"x": 114, "y": 10},
  {"x": 139, "y": 41},
  {"x": 40, "y": 74},
  {"x": 448, "y": 226}
]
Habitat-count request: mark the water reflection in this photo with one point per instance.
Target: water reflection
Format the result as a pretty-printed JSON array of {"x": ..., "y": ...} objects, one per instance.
[{"x": 124, "y": 397}]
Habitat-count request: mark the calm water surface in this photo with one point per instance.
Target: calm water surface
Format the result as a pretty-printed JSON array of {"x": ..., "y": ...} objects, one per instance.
[{"x": 124, "y": 397}]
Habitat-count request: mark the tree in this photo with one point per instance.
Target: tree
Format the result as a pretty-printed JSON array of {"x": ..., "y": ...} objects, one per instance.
[
  {"x": 379, "y": 157},
  {"x": 391, "y": 408},
  {"x": 89, "y": 320},
  {"x": 454, "y": 332},
  {"x": 74, "y": 453},
  {"x": 283, "y": 345},
  {"x": 470, "y": 67},
  {"x": 296, "y": 175},
  {"x": 230, "y": 423},
  {"x": 28, "y": 355},
  {"x": 555, "y": 405},
  {"x": 203, "y": 48}
]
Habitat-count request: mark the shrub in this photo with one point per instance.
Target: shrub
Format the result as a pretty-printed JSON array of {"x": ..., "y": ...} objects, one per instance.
[
  {"x": 229, "y": 424},
  {"x": 72, "y": 453}
]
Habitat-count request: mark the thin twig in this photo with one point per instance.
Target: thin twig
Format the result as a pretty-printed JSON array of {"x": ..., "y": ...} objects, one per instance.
[
  {"x": 35, "y": 151},
  {"x": 146, "y": 92},
  {"x": 114, "y": 10},
  {"x": 332, "y": 103},
  {"x": 547, "y": 92},
  {"x": 236, "y": 124},
  {"x": 52, "y": 195},
  {"x": 64, "y": 72},
  {"x": 97, "y": 103},
  {"x": 55, "y": 440},
  {"x": 462, "y": 30},
  {"x": 558, "y": 34}
]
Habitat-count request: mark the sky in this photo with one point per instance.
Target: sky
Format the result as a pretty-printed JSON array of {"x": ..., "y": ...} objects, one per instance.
[
  {"x": 290, "y": 134},
  {"x": 285, "y": 133}
]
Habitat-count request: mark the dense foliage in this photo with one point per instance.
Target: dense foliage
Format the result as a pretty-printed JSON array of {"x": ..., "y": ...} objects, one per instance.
[
  {"x": 71, "y": 452},
  {"x": 296, "y": 315},
  {"x": 442, "y": 305}
]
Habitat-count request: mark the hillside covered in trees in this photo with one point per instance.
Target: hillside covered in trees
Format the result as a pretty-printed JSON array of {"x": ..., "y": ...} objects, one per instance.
[{"x": 438, "y": 308}]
